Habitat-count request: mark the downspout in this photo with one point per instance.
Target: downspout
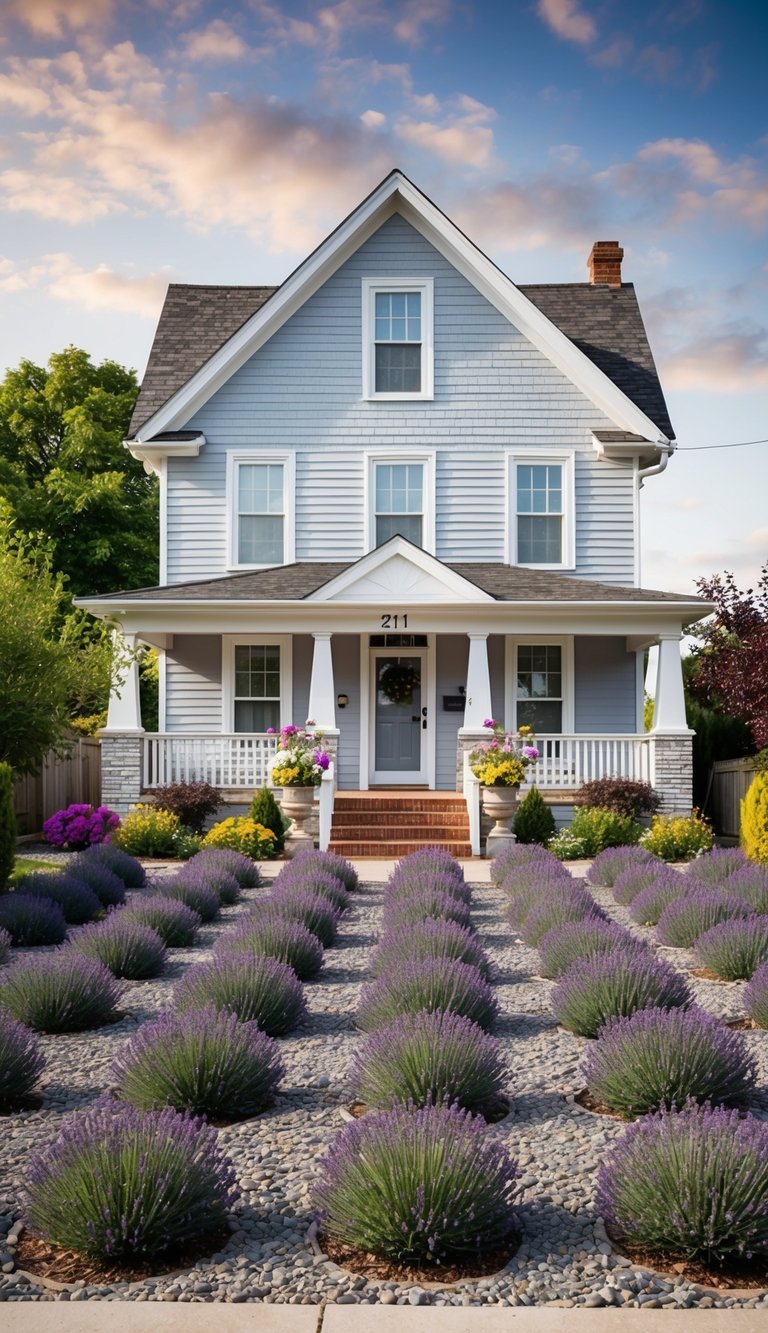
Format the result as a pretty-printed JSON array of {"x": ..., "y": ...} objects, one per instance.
[{"x": 655, "y": 468}]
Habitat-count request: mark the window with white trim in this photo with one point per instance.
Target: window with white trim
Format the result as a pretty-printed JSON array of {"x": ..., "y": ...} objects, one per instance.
[
  {"x": 401, "y": 498},
  {"x": 256, "y": 696},
  {"x": 541, "y": 512},
  {"x": 539, "y": 691},
  {"x": 260, "y": 494},
  {"x": 397, "y": 338}
]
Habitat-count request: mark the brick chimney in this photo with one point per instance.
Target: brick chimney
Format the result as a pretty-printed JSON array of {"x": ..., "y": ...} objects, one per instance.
[{"x": 604, "y": 263}]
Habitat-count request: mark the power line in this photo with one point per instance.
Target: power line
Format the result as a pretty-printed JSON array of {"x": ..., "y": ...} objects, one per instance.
[{"x": 697, "y": 448}]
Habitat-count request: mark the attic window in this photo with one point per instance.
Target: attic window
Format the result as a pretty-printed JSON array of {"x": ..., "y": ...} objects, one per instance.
[{"x": 397, "y": 338}]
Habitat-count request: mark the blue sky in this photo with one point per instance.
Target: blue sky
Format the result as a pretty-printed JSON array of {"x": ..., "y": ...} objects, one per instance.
[{"x": 143, "y": 141}]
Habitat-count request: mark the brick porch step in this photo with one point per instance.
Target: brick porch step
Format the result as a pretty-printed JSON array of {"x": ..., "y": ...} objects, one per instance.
[
  {"x": 389, "y": 851},
  {"x": 388, "y": 824}
]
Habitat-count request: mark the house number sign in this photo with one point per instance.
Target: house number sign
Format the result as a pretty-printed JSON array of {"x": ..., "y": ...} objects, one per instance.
[{"x": 394, "y": 621}]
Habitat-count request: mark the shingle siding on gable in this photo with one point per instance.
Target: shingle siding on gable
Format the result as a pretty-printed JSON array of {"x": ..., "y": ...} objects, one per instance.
[{"x": 493, "y": 391}]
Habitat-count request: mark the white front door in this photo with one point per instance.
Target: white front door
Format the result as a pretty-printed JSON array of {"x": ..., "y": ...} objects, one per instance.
[{"x": 399, "y": 720}]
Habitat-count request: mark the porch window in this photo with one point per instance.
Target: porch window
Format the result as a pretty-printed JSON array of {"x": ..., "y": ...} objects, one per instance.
[
  {"x": 541, "y": 512},
  {"x": 397, "y": 332},
  {"x": 256, "y": 687},
  {"x": 260, "y": 510},
  {"x": 539, "y": 688}
]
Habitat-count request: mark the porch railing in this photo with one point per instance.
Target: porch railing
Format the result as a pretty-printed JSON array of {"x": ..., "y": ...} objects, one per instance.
[
  {"x": 235, "y": 760},
  {"x": 568, "y": 761}
]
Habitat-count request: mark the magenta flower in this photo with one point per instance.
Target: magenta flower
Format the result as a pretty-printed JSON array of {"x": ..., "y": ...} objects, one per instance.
[
  {"x": 489, "y": 722},
  {"x": 270, "y": 731},
  {"x": 530, "y": 752},
  {"x": 321, "y": 759}
]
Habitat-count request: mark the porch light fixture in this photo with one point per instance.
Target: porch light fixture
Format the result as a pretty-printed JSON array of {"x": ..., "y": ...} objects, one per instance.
[{"x": 342, "y": 700}]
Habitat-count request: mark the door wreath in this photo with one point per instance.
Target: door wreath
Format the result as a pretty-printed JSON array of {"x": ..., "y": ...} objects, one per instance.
[{"x": 397, "y": 683}]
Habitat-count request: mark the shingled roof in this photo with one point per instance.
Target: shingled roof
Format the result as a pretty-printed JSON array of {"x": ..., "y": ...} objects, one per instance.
[
  {"x": 505, "y": 583},
  {"x": 603, "y": 322}
]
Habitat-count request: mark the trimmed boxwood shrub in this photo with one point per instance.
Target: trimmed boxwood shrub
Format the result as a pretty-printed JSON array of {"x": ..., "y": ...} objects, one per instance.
[
  {"x": 119, "y": 1183},
  {"x": 663, "y": 1057},
  {"x": 131, "y": 951},
  {"x": 30, "y": 921},
  {"x": 693, "y": 1181},
  {"x": 270, "y": 936},
  {"x": 563, "y": 945},
  {"x": 428, "y": 1058},
  {"x": 431, "y": 983},
  {"x": 126, "y": 867},
  {"x": 293, "y": 903},
  {"x": 647, "y": 906},
  {"x": 204, "y": 1061},
  {"x": 5, "y": 946},
  {"x": 616, "y": 985},
  {"x": 428, "y": 939},
  {"x": 439, "y": 906},
  {"x": 424, "y": 1186},
  {"x": 245, "y": 871},
  {"x": 175, "y": 923},
  {"x": 557, "y": 910},
  {"x": 614, "y": 861},
  {"x": 59, "y": 992},
  {"x": 202, "y": 900},
  {"x": 681, "y": 923},
  {"x": 756, "y": 996},
  {"x": 262, "y": 990},
  {"x": 733, "y": 949},
  {"x": 718, "y": 865},
  {"x": 78, "y": 903},
  {"x": 101, "y": 880},
  {"x": 21, "y": 1061},
  {"x": 312, "y": 880}
]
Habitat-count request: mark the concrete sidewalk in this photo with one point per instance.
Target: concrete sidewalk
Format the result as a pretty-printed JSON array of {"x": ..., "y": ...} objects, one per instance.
[{"x": 128, "y": 1317}]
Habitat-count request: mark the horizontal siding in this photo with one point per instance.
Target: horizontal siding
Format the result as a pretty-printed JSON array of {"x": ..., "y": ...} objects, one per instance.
[
  {"x": 346, "y": 680},
  {"x": 452, "y": 655},
  {"x": 606, "y": 685},
  {"x": 193, "y": 684},
  {"x": 301, "y": 393}
]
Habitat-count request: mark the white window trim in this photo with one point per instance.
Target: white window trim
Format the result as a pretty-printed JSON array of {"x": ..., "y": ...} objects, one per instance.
[
  {"x": 566, "y": 644},
  {"x": 426, "y": 457},
  {"x": 235, "y": 458},
  {"x": 228, "y": 644},
  {"x": 566, "y": 460},
  {"x": 425, "y": 286}
]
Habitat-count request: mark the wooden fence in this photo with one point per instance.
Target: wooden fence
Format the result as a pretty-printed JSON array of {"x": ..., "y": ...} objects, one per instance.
[
  {"x": 731, "y": 779},
  {"x": 74, "y": 778}
]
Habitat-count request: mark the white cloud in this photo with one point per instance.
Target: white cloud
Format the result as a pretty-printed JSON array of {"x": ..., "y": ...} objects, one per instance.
[
  {"x": 567, "y": 20},
  {"x": 216, "y": 42},
  {"x": 101, "y": 288},
  {"x": 54, "y": 18},
  {"x": 373, "y": 119},
  {"x": 463, "y": 138}
]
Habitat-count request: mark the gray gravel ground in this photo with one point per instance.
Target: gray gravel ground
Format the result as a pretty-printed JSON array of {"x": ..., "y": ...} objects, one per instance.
[{"x": 565, "y": 1258}]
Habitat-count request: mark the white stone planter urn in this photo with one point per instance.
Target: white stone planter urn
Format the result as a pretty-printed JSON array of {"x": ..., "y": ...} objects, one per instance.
[
  {"x": 297, "y": 804},
  {"x": 500, "y": 804}
]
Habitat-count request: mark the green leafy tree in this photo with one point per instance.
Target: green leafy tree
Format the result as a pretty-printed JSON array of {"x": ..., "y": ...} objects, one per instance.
[
  {"x": 7, "y": 825},
  {"x": 66, "y": 474}
]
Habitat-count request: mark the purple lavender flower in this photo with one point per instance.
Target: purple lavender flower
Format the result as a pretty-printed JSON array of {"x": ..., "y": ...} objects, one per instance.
[
  {"x": 128, "y": 868},
  {"x": 59, "y": 992},
  {"x": 693, "y": 1181},
  {"x": 311, "y": 878},
  {"x": 440, "y": 906},
  {"x": 294, "y": 903},
  {"x": 563, "y": 945},
  {"x": 253, "y": 988},
  {"x": 664, "y": 1057},
  {"x": 31, "y": 921},
  {"x": 108, "y": 887},
  {"x": 380, "y": 1191},
  {"x": 130, "y": 950},
  {"x": 631, "y": 882},
  {"x": 120, "y": 1183},
  {"x": 647, "y": 906},
  {"x": 560, "y": 906},
  {"x": 175, "y": 923},
  {"x": 78, "y": 903},
  {"x": 271, "y": 936},
  {"x": 516, "y": 855},
  {"x": 196, "y": 895},
  {"x": 329, "y": 863},
  {"x": 428, "y": 1058},
  {"x": 423, "y": 879},
  {"x": 435, "y": 860},
  {"x": 244, "y": 870},
  {"x": 751, "y": 885},
  {"x": 21, "y": 1061},
  {"x": 210, "y": 878},
  {"x": 732, "y": 949},
  {"x": 716, "y": 866},
  {"x": 5, "y": 946},
  {"x": 613, "y": 861},
  {"x": 430, "y": 983},
  {"x": 681, "y": 923},
  {"x": 756, "y": 996},
  {"x": 431, "y": 938},
  {"x": 616, "y": 985}
]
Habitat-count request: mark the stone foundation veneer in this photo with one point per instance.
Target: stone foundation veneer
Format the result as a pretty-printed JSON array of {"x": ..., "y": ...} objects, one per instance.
[
  {"x": 672, "y": 769},
  {"x": 121, "y": 770}
]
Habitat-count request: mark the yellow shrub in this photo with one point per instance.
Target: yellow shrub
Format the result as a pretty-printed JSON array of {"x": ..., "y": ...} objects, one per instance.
[
  {"x": 242, "y": 834},
  {"x": 754, "y": 819},
  {"x": 149, "y": 831},
  {"x": 678, "y": 837}
]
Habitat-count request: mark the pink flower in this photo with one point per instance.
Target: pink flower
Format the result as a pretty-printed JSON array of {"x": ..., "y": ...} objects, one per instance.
[
  {"x": 489, "y": 722},
  {"x": 530, "y": 752},
  {"x": 270, "y": 731}
]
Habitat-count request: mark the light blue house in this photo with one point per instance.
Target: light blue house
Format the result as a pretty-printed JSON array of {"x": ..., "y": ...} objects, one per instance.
[{"x": 398, "y": 495}]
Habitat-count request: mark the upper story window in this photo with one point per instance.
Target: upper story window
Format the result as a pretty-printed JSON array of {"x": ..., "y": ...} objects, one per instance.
[
  {"x": 541, "y": 519},
  {"x": 401, "y": 492},
  {"x": 260, "y": 510},
  {"x": 397, "y": 338}
]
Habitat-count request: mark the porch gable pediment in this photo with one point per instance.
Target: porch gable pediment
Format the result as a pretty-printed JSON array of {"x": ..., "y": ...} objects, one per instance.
[{"x": 399, "y": 573}]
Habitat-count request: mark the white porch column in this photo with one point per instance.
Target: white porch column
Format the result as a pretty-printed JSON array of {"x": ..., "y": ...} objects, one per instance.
[
  {"x": 322, "y": 694},
  {"x": 478, "y": 705},
  {"x": 124, "y": 712},
  {"x": 669, "y": 708}
]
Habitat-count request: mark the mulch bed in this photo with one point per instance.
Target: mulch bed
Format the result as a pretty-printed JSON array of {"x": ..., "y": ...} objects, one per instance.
[
  {"x": 707, "y": 974},
  {"x": 384, "y": 1270},
  {"x": 492, "y": 1113},
  {"x": 54, "y": 1263},
  {"x": 587, "y": 1102},
  {"x": 741, "y": 1024},
  {"x": 737, "y": 1274}
]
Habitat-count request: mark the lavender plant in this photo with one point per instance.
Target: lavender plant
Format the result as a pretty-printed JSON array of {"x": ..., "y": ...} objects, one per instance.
[
  {"x": 693, "y": 1181},
  {"x": 751, "y": 885},
  {"x": 636, "y": 879},
  {"x": 126, "y": 867},
  {"x": 78, "y": 903},
  {"x": 558, "y": 910},
  {"x": 59, "y": 992},
  {"x": 269, "y": 936},
  {"x": 432, "y": 860},
  {"x": 204, "y": 1061},
  {"x": 328, "y": 863},
  {"x": 432, "y": 984},
  {"x": 294, "y": 904},
  {"x": 516, "y": 855},
  {"x": 681, "y": 923},
  {"x": 664, "y": 1057},
  {"x": 416, "y": 882},
  {"x": 616, "y": 985},
  {"x": 131, "y": 951},
  {"x": 431, "y": 1057},
  {"x": 211, "y": 879},
  {"x": 200, "y": 899},
  {"x": 255, "y": 989},
  {"x": 428, "y": 939},
  {"x": 245, "y": 871},
  {"x": 175, "y": 923},
  {"x": 31, "y": 921},
  {"x": 435, "y": 905},
  {"x": 119, "y": 1183},
  {"x": 563, "y": 945},
  {"x": 716, "y": 866},
  {"x": 426, "y": 1186},
  {"x": 310, "y": 880},
  {"x": 21, "y": 1062},
  {"x": 523, "y": 900},
  {"x": 756, "y": 996},
  {"x": 536, "y": 875},
  {"x": 614, "y": 861},
  {"x": 733, "y": 949},
  {"x": 108, "y": 887},
  {"x": 647, "y": 906},
  {"x": 5, "y": 946}
]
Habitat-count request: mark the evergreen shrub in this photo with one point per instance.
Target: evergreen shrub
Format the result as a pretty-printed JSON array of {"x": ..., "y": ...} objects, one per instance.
[
  {"x": 265, "y": 810},
  {"x": 754, "y": 819},
  {"x": 534, "y": 821}
]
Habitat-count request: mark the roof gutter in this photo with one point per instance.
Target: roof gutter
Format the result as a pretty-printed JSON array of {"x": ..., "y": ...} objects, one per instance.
[{"x": 654, "y": 469}]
